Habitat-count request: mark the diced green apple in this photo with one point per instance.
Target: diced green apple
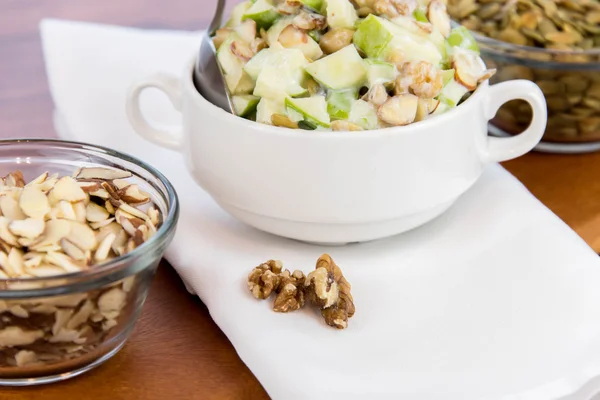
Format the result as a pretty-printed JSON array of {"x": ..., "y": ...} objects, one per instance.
[
  {"x": 447, "y": 76},
  {"x": 298, "y": 40},
  {"x": 339, "y": 102},
  {"x": 372, "y": 37},
  {"x": 379, "y": 72},
  {"x": 316, "y": 5},
  {"x": 266, "y": 108},
  {"x": 246, "y": 30},
  {"x": 236, "y": 80},
  {"x": 364, "y": 114},
  {"x": 243, "y": 105},
  {"x": 263, "y": 12},
  {"x": 282, "y": 76},
  {"x": 343, "y": 69},
  {"x": 378, "y": 37},
  {"x": 452, "y": 93},
  {"x": 420, "y": 15},
  {"x": 461, "y": 37},
  {"x": 313, "y": 109},
  {"x": 341, "y": 14},
  {"x": 237, "y": 14}
]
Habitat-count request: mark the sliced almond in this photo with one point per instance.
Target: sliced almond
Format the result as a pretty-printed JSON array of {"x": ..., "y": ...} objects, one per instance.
[
  {"x": 46, "y": 270},
  {"x": 101, "y": 192},
  {"x": 60, "y": 320},
  {"x": 133, "y": 211},
  {"x": 14, "y": 179},
  {"x": 467, "y": 68},
  {"x": 102, "y": 173},
  {"x": 34, "y": 203},
  {"x": 80, "y": 212},
  {"x": 5, "y": 264},
  {"x": 39, "y": 180},
  {"x": 72, "y": 251},
  {"x": 100, "y": 224},
  {"x": 89, "y": 186},
  {"x": 66, "y": 210},
  {"x": 96, "y": 213},
  {"x": 81, "y": 315},
  {"x": 127, "y": 226},
  {"x": 153, "y": 215},
  {"x": 10, "y": 208},
  {"x": 5, "y": 234},
  {"x": 438, "y": 16},
  {"x": 132, "y": 195},
  {"x": 104, "y": 247},
  {"x": 34, "y": 260},
  {"x": 15, "y": 258},
  {"x": 67, "y": 189},
  {"x": 109, "y": 207},
  {"x": 49, "y": 183},
  {"x": 112, "y": 227},
  {"x": 151, "y": 229},
  {"x": 3, "y": 275},
  {"x": 29, "y": 228},
  {"x": 121, "y": 183},
  {"x": 56, "y": 229},
  {"x": 399, "y": 110},
  {"x": 82, "y": 236},
  {"x": 119, "y": 244},
  {"x": 62, "y": 260}
]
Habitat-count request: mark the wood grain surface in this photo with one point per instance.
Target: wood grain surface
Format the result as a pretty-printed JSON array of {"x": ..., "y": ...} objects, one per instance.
[{"x": 176, "y": 350}]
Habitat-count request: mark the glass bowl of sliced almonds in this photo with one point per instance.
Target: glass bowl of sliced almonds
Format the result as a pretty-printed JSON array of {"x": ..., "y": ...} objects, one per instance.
[
  {"x": 82, "y": 230},
  {"x": 556, "y": 44}
]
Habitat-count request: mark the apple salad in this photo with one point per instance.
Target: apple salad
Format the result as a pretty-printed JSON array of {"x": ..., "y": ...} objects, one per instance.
[{"x": 345, "y": 65}]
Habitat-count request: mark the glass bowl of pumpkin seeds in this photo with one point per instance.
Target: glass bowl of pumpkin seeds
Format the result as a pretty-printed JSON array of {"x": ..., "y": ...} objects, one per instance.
[
  {"x": 82, "y": 230},
  {"x": 556, "y": 44}
]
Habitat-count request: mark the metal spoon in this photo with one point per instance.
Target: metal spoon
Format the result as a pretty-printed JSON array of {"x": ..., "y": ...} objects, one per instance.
[{"x": 208, "y": 78}]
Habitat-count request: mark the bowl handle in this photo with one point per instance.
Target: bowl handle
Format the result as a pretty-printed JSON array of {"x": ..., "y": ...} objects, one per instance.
[
  {"x": 171, "y": 87},
  {"x": 503, "y": 149}
]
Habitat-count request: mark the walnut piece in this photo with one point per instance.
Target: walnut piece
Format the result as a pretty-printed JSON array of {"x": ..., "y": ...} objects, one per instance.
[
  {"x": 330, "y": 291},
  {"x": 265, "y": 279},
  {"x": 290, "y": 292}
]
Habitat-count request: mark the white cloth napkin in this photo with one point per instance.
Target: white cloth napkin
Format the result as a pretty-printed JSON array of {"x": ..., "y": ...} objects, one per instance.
[{"x": 496, "y": 299}]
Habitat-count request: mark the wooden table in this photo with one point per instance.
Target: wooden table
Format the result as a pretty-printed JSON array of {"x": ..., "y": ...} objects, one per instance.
[{"x": 176, "y": 351}]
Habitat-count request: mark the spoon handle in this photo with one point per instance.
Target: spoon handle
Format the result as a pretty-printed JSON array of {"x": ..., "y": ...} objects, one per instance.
[{"x": 218, "y": 17}]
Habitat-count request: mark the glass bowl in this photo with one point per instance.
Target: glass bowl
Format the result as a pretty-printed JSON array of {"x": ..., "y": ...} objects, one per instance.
[
  {"x": 55, "y": 328},
  {"x": 570, "y": 81}
]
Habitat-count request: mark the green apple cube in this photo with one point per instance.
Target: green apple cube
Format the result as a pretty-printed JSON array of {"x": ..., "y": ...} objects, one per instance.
[
  {"x": 343, "y": 69},
  {"x": 313, "y": 109},
  {"x": 263, "y": 12},
  {"x": 266, "y": 108},
  {"x": 420, "y": 15},
  {"x": 452, "y": 93},
  {"x": 236, "y": 80},
  {"x": 316, "y": 5},
  {"x": 309, "y": 48},
  {"x": 256, "y": 64},
  {"x": 379, "y": 72},
  {"x": 372, "y": 37},
  {"x": 442, "y": 108},
  {"x": 339, "y": 102},
  {"x": 447, "y": 76},
  {"x": 461, "y": 37},
  {"x": 245, "y": 104},
  {"x": 341, "y": 14},
  {"x": 282, "y": 76},
  {"x": 237, "y": 14},
  {"x": 364, "y": 114}
]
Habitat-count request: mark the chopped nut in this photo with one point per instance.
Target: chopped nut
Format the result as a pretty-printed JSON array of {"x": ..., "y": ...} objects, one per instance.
[
  {"x": 34, "y": 203},
  {"x": 340, "y": 125},
  {"x": 264, "y": 279},
  {"x": 309, "y": 21},
  {"x": 422, "y": 79},
  {"x": 336, "y": 39},
  {"x": 405, "y": 7},
  {"x": 102, "y": 173},
  {"x": 290, "y": 292},
  {"x": 292, "y": 37},
  {"x": 399, "y": 110},
  {"x": 377, "y": 95},
  {"x": 438, "y": 16},
  {"x": 220, "y": 36},
  {"x": 25, "y": 357},
  {"x": 242, "y": 50},
  {"x": 28, "y": 228},
  {"x": 330, "y": 291},
  {"x": 283, "y": 121}
]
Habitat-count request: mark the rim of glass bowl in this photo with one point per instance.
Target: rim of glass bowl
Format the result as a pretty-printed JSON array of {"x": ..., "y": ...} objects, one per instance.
[
  {"x": 88, "y": 279},
  {"x": 506, "y": 52}
]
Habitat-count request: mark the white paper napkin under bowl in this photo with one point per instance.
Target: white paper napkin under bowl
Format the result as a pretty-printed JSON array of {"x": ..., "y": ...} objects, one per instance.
[{"x": 496, "y": 299}]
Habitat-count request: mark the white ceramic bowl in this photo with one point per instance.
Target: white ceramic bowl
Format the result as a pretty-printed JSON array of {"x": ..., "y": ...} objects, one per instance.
[{"x": 337, "y": 187}]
